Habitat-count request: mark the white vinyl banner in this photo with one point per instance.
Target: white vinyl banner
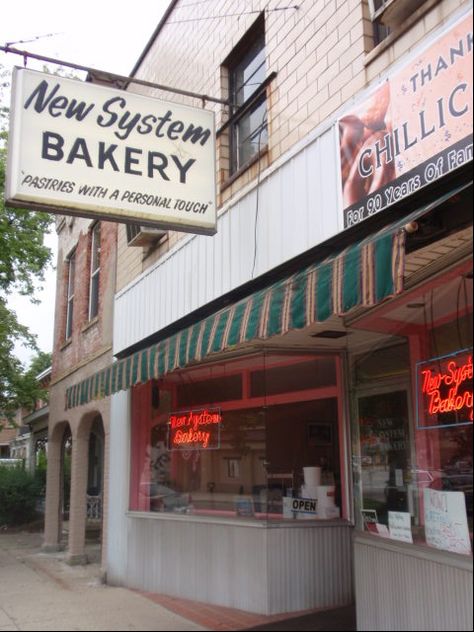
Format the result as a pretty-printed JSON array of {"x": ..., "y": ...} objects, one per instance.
[{"x": 83, "y": 149}]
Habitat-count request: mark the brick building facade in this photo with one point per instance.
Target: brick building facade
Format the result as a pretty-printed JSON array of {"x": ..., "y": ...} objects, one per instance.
[
  {"x": 338, "y": 276},
  {"x": 82, "y": 342}
]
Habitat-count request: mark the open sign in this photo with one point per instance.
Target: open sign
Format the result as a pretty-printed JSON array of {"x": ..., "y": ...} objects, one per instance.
[{"x": 306, "y": 506}]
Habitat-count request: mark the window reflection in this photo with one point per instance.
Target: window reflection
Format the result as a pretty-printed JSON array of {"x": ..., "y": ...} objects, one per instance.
[
  {"x": 241, "y": 453},
  {"x": 412, "y": 433}
]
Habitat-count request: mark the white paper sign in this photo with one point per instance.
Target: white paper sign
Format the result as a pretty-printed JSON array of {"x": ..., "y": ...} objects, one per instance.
[
  {"x": 399, "y": 524},
  {"x": 299, "y": 507},
  {"x": 446, "y": 521},
  {"x": 81, "y": 148}
]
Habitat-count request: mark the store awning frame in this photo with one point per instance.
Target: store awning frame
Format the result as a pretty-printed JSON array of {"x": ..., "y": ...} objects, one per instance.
[{"x": 361, "y": 275}]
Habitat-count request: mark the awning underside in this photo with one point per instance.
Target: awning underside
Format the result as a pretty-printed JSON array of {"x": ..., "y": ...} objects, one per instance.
[{"x": 362, "y": 275}]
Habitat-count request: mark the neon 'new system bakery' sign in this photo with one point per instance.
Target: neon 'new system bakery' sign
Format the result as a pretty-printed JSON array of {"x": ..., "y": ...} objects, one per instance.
[
  {"x": 445, "y": 396},
  {"x": 195, "y": 429}
]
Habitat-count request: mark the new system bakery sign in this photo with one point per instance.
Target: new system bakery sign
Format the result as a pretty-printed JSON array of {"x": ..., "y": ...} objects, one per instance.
[
  {"x": 415, "y": 128},
  {"x": 89, "y": 150}
]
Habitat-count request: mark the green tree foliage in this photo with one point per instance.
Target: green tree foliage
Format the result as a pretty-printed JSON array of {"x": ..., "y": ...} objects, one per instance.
[
  {"x": 29, "y": 390},
  {"x": 23, "y": 255},
  {"x": 23, "y": 259},
  {"x": 4, "y": 86},
  {"x": 18, "y": 494}
]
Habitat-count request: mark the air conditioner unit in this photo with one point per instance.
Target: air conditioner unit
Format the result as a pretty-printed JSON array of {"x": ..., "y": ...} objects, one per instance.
[
  {"x": 143, "y": 235},
  {"x": 393, "y": 13}
]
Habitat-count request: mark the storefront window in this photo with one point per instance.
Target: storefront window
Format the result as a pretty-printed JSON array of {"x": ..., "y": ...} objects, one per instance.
[
  {"x": 412, "y": 422},
  {"x": 385, "y": 451},
  {"x": 255, "y": 438}
]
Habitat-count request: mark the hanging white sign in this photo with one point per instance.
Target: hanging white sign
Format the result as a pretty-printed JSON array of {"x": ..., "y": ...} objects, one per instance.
[{"x": 84, "y": 149}]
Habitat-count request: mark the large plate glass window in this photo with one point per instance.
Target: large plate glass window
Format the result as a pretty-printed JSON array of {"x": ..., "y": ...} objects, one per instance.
[
  {"x": 412, "y": 414},
  {"x": 256, "y": 438}
]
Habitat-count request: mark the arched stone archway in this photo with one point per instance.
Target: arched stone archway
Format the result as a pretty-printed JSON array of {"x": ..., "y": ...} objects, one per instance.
[
  {"x": 89, "y": 426},
  {"x": 58, "y": 439},
  {"x": 87, "y": 475}
]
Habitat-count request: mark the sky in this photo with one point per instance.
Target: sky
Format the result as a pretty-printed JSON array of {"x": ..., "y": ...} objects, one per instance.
[{"x": 104, "y": 34}]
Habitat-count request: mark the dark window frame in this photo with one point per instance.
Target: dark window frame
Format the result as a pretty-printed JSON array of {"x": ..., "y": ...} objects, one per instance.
[
  {"x": 70, "y": 292},
  {"x": 248, "y": 55},
  {"x": 94, "y": 271}
]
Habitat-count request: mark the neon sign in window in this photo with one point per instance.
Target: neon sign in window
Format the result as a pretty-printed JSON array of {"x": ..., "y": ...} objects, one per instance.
[
  {"x": 195, "y": 429},
  {"x": 444, "y": 387}
]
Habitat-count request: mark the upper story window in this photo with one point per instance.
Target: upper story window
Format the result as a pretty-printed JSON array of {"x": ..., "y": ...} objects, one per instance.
[
  {"x": 71, "y": 263},
  {"x": 390, "y": 15},
  {"x": 381, "y": 31},
  {"x": 94, "y": 273},
  {"x": 246, "y": 69}
]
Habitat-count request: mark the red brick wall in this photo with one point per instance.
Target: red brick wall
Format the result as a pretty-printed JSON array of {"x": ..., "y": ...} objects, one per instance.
[{"x": 88, "y": 337}]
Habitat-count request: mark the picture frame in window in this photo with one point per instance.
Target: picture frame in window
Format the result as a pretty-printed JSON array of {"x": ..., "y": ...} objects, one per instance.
[
  {"x": 233, "y": 467},
  {"x": 319, "y": 433}
]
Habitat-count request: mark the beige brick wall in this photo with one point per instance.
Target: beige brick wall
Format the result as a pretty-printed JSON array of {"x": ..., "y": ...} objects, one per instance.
[
  {"x": 129, "y": 260},
  {"x": 322, "y": 53}
]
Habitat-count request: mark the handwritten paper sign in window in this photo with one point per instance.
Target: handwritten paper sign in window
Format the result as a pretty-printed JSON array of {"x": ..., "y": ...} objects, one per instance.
[
  {"x": 399, "y": 524},
  {"x": 446, "y": 525}
]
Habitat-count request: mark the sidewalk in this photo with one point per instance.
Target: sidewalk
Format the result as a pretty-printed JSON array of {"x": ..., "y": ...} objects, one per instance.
[{"x": 40, "y": 591}]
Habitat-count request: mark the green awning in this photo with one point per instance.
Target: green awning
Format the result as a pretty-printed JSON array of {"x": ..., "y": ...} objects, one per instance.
[{"x": 363, "y": 274}]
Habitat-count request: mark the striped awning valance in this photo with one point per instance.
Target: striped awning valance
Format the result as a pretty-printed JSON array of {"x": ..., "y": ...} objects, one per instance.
[{"x": 363, "y": 274}]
